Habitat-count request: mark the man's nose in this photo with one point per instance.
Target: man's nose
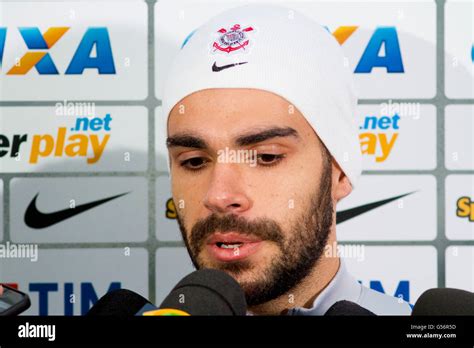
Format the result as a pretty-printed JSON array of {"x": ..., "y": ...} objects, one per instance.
[{"x": 226, "y": 192}]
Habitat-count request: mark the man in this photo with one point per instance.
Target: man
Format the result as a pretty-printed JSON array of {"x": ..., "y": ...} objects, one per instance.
[{"x": 262, "y": 145}]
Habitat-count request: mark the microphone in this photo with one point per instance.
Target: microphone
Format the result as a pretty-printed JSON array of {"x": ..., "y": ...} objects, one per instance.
[
  {"x": 203, "y": 292},
  {"x": 121, "y": 303},
  {"x": 444, "y": 301},
  {"x": 347, "y": 308}
]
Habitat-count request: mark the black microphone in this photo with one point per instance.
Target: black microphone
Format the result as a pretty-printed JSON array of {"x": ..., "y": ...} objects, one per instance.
[
  {"x": 444, "y": 301},
  {"x": 121, "y": 303},
  {"x": 203, "y": 292},
  {"x": 347, "y": 308}
]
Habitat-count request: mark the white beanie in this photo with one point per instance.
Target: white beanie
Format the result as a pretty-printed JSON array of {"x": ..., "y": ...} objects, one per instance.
[{"x": 280, "y": 51}]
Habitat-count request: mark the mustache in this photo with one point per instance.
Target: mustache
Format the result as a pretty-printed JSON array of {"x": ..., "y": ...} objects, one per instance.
[{"x": 264, "y": 229}]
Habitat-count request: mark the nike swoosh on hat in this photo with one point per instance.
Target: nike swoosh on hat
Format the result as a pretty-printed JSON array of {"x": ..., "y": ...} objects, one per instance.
[{"x": 216, "y": 68}]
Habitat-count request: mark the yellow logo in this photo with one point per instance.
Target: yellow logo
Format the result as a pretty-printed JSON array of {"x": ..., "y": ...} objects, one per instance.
[
  {"x": 170, "y": 209},
  {"x": 465, "y": 208}
]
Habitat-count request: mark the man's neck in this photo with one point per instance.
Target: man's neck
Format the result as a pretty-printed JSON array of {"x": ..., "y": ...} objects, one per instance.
[{"x": 304, "y": 294}]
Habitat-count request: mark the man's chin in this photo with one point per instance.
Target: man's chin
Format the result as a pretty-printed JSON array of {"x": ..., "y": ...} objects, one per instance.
[
  {"x": 233, "y": 268},
  {"x": 243, "y": 271},
  {"x": 254, "y": 276}
]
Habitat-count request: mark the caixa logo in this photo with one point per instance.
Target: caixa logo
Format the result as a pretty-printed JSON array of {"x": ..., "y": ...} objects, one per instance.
[
  {"x": 83, "y": 294},
  {"x": 93, "y": 52},
  {"x": 382, "y": 50}
]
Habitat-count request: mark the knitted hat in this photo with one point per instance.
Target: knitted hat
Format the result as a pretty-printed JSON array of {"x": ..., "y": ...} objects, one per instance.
[{"x": 278, "y": 50}]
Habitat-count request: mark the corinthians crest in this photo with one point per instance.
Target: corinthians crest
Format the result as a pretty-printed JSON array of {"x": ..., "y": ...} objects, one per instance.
[{"x": 232, "y": 40}]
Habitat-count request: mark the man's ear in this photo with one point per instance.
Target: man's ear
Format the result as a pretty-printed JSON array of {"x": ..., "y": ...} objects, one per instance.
[{"x": 341, "y": 186}]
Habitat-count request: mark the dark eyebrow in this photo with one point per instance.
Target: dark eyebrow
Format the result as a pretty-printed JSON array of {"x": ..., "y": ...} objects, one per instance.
[
  {"x": 186, "y": 140},
  {"x": 253, "y": 138}
]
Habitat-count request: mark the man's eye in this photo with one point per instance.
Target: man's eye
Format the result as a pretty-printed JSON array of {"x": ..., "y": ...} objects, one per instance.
[
  {"x": 266, "y": 159},
  {"x": 194, "y": 163}
]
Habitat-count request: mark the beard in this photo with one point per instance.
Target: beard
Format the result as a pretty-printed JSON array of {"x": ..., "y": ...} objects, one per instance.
[{"x": 298, "y": 253}]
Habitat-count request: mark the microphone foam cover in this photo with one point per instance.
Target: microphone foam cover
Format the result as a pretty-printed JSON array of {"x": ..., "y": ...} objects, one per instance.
[
  {"x": 445, "y": 301},
  {"x": 207, "y": 292},
  {"x": 347, "y": 308},
  {"x": 121, "y": 303}
]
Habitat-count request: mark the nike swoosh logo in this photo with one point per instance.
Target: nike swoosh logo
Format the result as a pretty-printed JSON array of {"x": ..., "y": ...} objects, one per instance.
[
  {"x": 36, "y": 219},
  {"x": 345, "y": 215},
  {"x": 219, "y": 68}
]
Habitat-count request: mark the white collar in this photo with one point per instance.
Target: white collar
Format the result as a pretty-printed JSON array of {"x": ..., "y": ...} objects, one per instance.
[{"x": 342, "y": 287}]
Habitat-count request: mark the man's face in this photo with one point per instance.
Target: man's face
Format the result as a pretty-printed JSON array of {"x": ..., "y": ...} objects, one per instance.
[{"x": 252, "y": 184}]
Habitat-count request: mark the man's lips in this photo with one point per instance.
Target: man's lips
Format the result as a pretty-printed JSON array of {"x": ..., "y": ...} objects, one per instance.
[
  {"x": 232, "y": 246},
  {"x": 231, "y": 238}
]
